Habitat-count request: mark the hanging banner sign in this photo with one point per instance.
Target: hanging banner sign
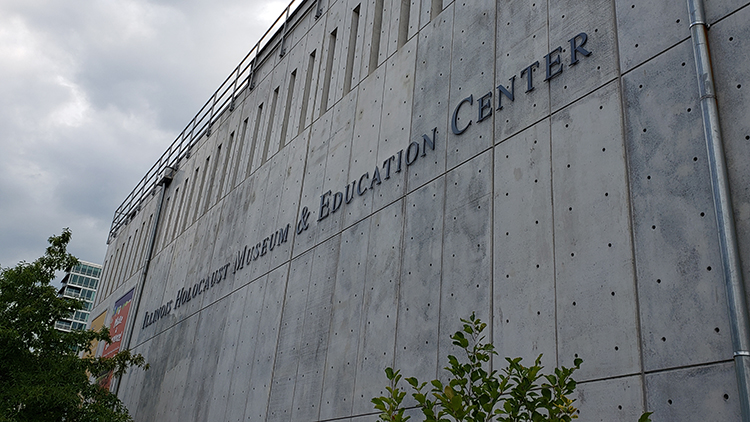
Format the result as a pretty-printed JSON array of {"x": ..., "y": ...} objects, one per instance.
[
  {"x": 116, "y": 330},
  {"x": 117, "y": 326}
]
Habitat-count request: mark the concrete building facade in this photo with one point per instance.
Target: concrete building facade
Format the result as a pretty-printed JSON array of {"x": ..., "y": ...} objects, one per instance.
[{"x": 378, "y": 169}]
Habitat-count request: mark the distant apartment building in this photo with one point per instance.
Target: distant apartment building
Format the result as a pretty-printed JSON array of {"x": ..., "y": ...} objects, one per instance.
[{"x": 80, "y": 282}]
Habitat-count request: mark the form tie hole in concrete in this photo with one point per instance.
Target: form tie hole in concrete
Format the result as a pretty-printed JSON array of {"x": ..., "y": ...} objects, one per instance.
[
  {"x": 572, "y": 254},
  {"x": 717, "y": 329},
  {"x": 747, "y": 138},
  {"x": 739, "y": 86},
  {"x": 636, "y": 46},
  {"x": 619, "y": 407},
  {"x": 640, "y": 86},
  {"x": 648, "y": 177},
  {"x": 683, "y": 63},
  {"x": 731, "y": 38},
  {"x": 663, "y": 339},
  {"x": 616, "y": 348},
  {"x": 669, "y": 401},
  {"x": 644, "y": 130},
  {"x": 613, "y": 293},
  {"x": 609, "y": 245},
  {"x": 695, "y": 158},
  {"x": 677, "y": 21},
  {"x": 653, "y": 227},
  {"x": 708, "y": 268},
  {"x": 658, "y": 281},
  {"x": 606, "y": 193},
  {"x": 538, "y": 313},
  {"x": 689, "y": 110},
  {"x": 574, "y": 304},
  {"x": 537, "y": 265},
  {"x": 703, "y": 214},
  {"x": 726, "y": 396}
]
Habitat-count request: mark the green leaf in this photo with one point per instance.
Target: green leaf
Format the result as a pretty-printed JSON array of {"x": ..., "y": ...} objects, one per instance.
[
  {"x": 646, "y": 417},
  {"x": 389, "y": 373}
]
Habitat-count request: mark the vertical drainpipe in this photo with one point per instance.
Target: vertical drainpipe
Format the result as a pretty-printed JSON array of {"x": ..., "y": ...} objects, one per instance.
[
  {"x": 730, "y": 260},
  {"x": 164, "y": 181}
]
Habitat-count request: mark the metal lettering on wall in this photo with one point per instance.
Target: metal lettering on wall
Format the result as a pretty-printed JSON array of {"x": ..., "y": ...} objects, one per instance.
[{"x": 331, "y": 202}]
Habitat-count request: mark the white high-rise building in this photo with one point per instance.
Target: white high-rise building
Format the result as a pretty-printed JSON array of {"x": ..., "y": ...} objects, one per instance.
[{"x": 80, "y": 282}]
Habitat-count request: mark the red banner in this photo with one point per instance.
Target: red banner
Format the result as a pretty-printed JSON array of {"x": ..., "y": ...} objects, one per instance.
[
  {"x": 117, "y": 325},
  {"x": 116, "y": 331}
]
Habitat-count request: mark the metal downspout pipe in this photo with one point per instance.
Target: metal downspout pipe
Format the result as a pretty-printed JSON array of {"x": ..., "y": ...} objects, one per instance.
[
  {"x": 730, "y": 258},
  {"x": 165, "y": 180}
]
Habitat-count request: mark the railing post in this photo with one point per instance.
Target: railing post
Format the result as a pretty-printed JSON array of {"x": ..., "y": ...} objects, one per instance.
[
  {"x": 234, "y": 86},
  {"x": 283, "y": 32},
  {"x": 211, "y": 115},
  {"x": 251, "y": 76}
]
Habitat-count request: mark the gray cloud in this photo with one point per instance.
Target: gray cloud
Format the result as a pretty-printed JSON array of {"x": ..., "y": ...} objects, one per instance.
[{"x": 91, "y": 93}]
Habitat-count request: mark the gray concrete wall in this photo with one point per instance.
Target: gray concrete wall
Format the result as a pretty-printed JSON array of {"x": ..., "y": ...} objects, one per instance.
[{"x": 577, "y": 219}]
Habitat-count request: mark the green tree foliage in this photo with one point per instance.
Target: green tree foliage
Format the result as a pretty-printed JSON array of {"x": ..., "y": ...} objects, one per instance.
[
  {"x": 41, "y": 376},
  {"x": 515, "y": 394}
]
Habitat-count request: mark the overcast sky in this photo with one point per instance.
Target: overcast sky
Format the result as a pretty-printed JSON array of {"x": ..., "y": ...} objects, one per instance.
[{"x": 91, "y": 93}]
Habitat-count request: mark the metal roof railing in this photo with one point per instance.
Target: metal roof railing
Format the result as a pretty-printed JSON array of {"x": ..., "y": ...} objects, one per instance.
[{"x": 223, "y": 99}]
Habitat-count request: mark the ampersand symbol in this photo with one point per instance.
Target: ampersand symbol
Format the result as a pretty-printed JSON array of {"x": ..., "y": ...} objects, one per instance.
[{"x": 302, "y": 224}]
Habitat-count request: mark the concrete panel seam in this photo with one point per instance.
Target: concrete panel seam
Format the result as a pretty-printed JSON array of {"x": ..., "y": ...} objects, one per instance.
[
  {"x": 631, "y": 211},
  {"x": 697, "y": 365}
]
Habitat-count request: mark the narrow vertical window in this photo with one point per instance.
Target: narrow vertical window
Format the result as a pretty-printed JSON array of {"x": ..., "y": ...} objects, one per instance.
[
  {"x": 141, "y": 243},
  {"x": 133, "y": 265},
  {"x": 198, "y": 198},
  {"x": 188, "y": 204},
  {"x": 113, "y": 273},
  {"x": 269, "y": 128},
  {"x": 403, "y": 22},
  {"x": 256, "y": 129},
  {"x": 306, "y": 94},
  {"x": 350, "y": 53},
  {"x": 287, "y": 108},
  {"x": 164, "y": 227},
  {"x": 121, "y": 264},
  {"x": 238, "y": 155},
  {"x": 179, "y": 210},
  {"x": 225, "y": 168},
  {"x": 377, "y": 28},
  {"x": 212, "y": 180},
  {"x": 102, "y": 282},
  {"x": 329, "y": 70},
  {"x": 116, "y": 278},
  {"x": 437, "y": 7}
]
